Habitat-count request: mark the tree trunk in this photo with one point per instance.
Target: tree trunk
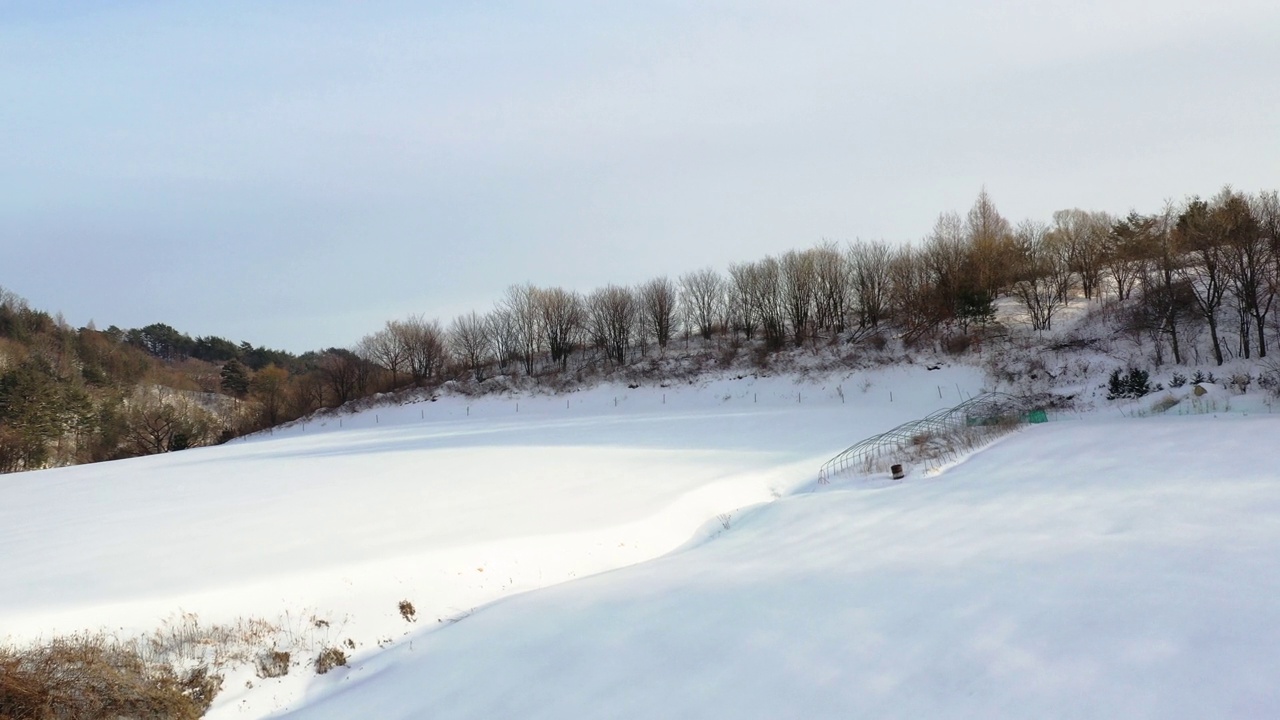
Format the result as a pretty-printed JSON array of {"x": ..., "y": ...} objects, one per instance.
[
  {"x": 1173, "y": 339},
  {"x": 1213, "y": 333},
  {"x": 1245, "y": 337}
]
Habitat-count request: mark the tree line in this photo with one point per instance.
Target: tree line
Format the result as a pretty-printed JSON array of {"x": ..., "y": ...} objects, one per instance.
[
  {"x": 1196, "y": 266},
  {"x": 1197, "y": 275}
]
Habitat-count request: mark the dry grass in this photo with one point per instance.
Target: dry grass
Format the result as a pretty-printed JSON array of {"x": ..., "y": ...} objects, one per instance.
[
  {"x": 272, "y": 664},
  {"x": 91, "y": 677},
  {"x": 172, "y": 673},
  {"x": 183, "y": 640},
  {"x": 330, "y": 658},
  {"x": 408, "y": 611}
]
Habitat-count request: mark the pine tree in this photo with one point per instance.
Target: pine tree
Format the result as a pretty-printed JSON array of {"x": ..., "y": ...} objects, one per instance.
[{"x": 235, "y": 378}]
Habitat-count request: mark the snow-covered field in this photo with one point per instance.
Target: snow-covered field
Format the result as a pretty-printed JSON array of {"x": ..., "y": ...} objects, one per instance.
[{"x": 1093, "y": 567}]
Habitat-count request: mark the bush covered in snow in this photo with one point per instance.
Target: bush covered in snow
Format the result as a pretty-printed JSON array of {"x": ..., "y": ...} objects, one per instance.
[{"x": 1132, "y": 384}]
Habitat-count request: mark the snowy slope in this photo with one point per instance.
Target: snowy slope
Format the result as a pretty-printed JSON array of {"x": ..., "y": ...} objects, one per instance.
[
  {"x": 449, "y": 504},
  {"x": 1118, "y": 568},
  {"x": 1104, "y": 566}
]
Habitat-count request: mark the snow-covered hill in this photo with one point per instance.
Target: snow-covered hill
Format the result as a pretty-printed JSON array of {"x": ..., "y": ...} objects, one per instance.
[
  {"x": 1118, "y": 567},
  {"x": 448, "y": 505}
]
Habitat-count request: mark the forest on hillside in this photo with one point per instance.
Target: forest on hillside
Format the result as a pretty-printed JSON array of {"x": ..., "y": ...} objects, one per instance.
[
  {"x": 70, "y": 395},
  {"x": 1193, "y": 282}
]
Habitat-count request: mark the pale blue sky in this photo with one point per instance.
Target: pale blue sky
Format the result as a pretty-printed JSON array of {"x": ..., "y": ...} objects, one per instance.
[{"x": 296, "y": 173}]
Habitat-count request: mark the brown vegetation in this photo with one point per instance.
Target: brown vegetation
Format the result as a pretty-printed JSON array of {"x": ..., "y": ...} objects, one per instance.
[{"x": 91, "y": 678}]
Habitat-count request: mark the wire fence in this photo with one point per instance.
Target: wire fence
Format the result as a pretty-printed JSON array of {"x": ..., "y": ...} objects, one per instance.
[{"x": 940, "y": 436}]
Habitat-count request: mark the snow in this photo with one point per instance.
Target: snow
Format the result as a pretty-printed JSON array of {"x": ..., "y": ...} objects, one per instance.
[
  {"x": 450, "y": 505},
  {"x": 1091, "y": 569},
  {"x": 666, "y": 552}
]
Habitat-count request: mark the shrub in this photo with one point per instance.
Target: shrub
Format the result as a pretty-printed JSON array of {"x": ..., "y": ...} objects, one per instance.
[
  {"x": 956, "y": 344},
  {"x": 1178, "y": 380},
  {"x": 407, "y": 611},
  {"x": 1200, "y": 378},
  {"x": 88, "y": 677},
  {"x": 1269, "y": 377},
  {"x": 760, "y": 356},
  {"x": 729, "y": 353},
  {"x": 273, "y": 663},
  {"x": 330, "y": 658},
  {"x": 1132, "y": 384},
  {"x": 201, "y": 686},
  {"x": 1241, "y": 382}
]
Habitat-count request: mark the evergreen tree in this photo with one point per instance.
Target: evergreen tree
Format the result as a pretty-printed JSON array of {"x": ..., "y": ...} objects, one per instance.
[
  {"x": 36, "y": 409},
  {"x": 1132, "y": 384},
  {"x": 235, "y": 378}
]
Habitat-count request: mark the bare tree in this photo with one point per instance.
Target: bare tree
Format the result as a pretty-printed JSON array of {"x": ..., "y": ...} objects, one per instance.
[
  {"x": 1085, "y": 235},
  {"x": 561, "y": 315},
  {"x": 158, "y": 425},
  {"x": 1197, "y": 234},
  {"x": 832, "y": 293},
  {"x": 386, "y": 348},
  {"x": 526, "y": 322},
  {"x": 612, "y": 313},
  {"x": 770, "y": 302},
  {"x": 308, "y": 393},
  {"x": 869, "y": 264},
  {"x": 1042, "y": 282},
  {"x": 658, "y": 308},
  {"x": 740, "y": 301},
  {"x": 1248, "y": 265},
  {"x": 758, "y": 289},
  {"x": 912, "y": 291},
  {"x": 946, "y": 256},
  {"x": 269, "y": 387},
  {"x": 342, "y": 372},
  {"x": 701, "y": 297},
  {"x": 9, "y": 300},
  {"x": 470, "y": 342},
  {"x": 799, "y": 290},
  {"x": 500, "y": 327},
  {"x": 1266, "y": 209},
  {"x": 425, "y": 341},
  {"x": 1165, "y": 296}
]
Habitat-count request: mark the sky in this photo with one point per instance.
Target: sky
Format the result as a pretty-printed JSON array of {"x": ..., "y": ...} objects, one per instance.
[{"x": 295, "y": 174}]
